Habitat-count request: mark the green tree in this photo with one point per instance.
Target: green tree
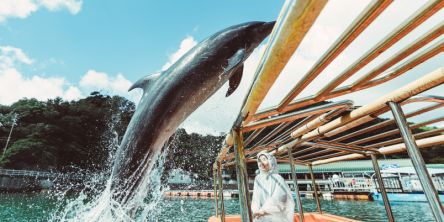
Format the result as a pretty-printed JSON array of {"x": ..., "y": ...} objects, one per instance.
[{"x": 60, "y": 135}]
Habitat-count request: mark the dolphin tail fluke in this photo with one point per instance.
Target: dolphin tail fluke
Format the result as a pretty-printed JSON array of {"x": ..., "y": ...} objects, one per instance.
[{"x": 144, "y": 82}]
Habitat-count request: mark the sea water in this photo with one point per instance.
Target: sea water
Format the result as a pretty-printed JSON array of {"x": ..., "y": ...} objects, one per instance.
[
  {"x": 94, "y": 203},
  {"x": 42, "y": 207}
]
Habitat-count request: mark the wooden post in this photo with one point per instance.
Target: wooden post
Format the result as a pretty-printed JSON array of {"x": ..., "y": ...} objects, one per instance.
[
  {"x": 215, "y": 182},
  {"x": 294, "y": 21},
  {"x": 417, "y": 162},
  {"x": 315, "y": 189},
  {"x": 221, "y": 192},
  {"x": 296, "y": 187},
  {"x": 385, "y": 199},
  {"x": 242, "y": 176}
]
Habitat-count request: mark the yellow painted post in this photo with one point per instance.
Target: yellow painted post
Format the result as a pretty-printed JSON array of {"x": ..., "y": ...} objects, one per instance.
[
  {"x": 315, "y": 189},
  {"x": 216, "y": 201},
  {"x": 296, "y": 186},
  {"x": 221, "y": 192},
  {"x": 242, "y": 176}
]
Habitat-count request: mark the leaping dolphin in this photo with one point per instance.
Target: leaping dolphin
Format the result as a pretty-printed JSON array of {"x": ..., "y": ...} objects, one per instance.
[{"x": 169, "y": 97}]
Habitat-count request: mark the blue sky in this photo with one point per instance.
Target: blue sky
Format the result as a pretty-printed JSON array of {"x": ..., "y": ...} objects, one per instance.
[
  {"x": 69, "y": 48},
  {"x": 129, "y": 37}
]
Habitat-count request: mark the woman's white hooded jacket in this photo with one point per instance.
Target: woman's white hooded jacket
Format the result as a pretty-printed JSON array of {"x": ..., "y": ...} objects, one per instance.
[{"x": 271, "y": 194}]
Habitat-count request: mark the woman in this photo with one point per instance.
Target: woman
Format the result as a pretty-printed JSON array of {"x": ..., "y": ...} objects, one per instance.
[{"x": 272, "y": 199}]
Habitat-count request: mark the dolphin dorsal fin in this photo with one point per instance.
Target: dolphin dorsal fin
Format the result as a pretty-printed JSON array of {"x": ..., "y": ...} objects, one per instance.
[{"x": 144, "y": 82}]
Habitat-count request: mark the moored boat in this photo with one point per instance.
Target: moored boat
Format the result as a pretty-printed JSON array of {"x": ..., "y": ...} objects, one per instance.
[{"x": 402, "y": 185}]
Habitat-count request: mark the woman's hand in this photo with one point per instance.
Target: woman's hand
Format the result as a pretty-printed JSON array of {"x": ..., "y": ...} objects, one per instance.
[{"x": 259, "y": 214}]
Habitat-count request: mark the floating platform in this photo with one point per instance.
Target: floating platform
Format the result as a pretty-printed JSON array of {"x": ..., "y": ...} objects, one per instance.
[
  {"x": 189, "y": 193},
  {"x": 308, "y": 217},
  {"x": 201, "y": 193},
  {"x": 352, "y": 196}
]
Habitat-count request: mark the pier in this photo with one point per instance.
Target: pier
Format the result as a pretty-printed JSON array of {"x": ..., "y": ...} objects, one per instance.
[{"x": 30, "y": 180}]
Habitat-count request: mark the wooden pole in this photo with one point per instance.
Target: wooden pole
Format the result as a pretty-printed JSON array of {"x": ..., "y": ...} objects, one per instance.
[
  {"x": 424, "y": 83},
  {"x": 293, "y": 23},
  {"x": 315, "y": 189},
  {"x": 385, "y": 199},
  {"x": 221, "y": 192},
  {"x": 423, "y": 143},
  {"x": 418, "y": 162},
  {"x": 420, "y": 16},
  {"x": 242, "y": 176},
  {"x": 374, "y": 9},
  {"x": 296, "y": 187},
  {"x": 215, "y": 182}
]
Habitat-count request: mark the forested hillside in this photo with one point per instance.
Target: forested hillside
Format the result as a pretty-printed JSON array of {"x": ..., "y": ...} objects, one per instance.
[{"x": 66, "y": 136}]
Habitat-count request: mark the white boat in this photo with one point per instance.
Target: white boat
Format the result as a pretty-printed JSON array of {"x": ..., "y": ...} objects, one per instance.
[{"x": 402, "y": 185}]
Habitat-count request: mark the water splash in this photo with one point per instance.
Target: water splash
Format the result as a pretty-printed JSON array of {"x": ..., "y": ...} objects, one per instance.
[{"x": 95, "y": 203}]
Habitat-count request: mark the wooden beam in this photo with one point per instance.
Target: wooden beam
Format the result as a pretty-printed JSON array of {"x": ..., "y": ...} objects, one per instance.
[
  {"x": 421, "y": 57},
  {"x": 417, "y": 136},
  {"x": 425, "y": 39},
  {"x": 423, "y": 143},
  {"x": 346, "y": 104},
  {"x": 422, "y": 84},
  {"x": 375, "y": 126},
  {"x": 373, "y": 10},
  {"x": 294, "y": 21},
  {"x": 420, "y": 16}
]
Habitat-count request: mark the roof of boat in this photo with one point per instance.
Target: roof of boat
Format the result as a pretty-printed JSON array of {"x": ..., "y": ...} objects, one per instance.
[{"x": 411, "y": 170}]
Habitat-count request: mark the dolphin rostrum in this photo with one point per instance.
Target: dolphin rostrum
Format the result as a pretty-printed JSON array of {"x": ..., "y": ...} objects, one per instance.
[{"x": 171, "y": 96}]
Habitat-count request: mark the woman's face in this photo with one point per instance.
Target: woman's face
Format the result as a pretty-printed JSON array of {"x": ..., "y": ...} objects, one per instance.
[{"x": 263, "y": 163}]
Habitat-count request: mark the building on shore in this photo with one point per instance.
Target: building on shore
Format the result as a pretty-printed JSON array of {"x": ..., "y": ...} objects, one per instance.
[{"x": 353, "y": 176}]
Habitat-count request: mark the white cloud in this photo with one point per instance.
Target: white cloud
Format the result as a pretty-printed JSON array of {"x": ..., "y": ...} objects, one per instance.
[
  {"x": 113, "y": 85},
  {"x": 14, "y": 85},
  {"x": 24, "y": 8},
  {"x": 73, "y": 6},
  {"x": 94, "y": 79},
  {"x": 16, "y": 8},
  {"x": 72, "y": 93},
  {"x": 120, "y": 83},
  {"x": 185, "y": 45},
  {"x": 10, "y": 56}
]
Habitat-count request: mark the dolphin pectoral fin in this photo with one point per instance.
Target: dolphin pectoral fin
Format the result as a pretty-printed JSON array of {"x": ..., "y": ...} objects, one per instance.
[
  {"x": 144, "y": 82},
  {"x": 235, "y": 60},
  {"x": 235, "y": 63},
  {"x": 235, "y": 80}
]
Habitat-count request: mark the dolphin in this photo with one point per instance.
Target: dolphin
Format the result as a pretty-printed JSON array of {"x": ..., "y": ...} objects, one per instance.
[{"x": 170, "y": 96}]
